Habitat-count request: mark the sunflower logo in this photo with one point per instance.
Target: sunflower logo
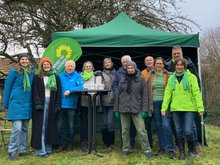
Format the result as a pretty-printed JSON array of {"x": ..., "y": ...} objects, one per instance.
[{"x": 64, "y": 50}]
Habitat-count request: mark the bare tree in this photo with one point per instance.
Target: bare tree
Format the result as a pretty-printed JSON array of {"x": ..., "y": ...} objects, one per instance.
[
  {"x": 210, "y": 56},
  {"x": 30, "y": 23}
]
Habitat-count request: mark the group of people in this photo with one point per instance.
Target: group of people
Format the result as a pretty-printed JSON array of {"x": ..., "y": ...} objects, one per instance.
[{"x": 165, "y": 93}]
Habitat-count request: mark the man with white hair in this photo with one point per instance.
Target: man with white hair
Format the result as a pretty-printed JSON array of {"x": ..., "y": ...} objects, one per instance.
[
  {"x": 120, "y": 72},
  {"x": 70, "y": 81}
]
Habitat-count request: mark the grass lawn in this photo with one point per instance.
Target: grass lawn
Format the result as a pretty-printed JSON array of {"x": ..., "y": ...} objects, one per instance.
[{"x": 209, "y": 155}]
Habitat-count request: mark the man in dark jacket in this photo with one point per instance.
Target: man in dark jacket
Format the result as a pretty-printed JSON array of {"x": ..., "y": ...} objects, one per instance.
[
  {"x": 176, "y": 53},
  {"x": 131, "y": 101}
]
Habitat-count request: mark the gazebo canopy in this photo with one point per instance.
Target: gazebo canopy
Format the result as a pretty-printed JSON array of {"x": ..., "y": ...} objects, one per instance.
[{"x": 122, "y": 31}]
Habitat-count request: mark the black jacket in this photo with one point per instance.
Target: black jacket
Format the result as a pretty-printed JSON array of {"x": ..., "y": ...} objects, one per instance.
[{"x": 38, "y": 94}]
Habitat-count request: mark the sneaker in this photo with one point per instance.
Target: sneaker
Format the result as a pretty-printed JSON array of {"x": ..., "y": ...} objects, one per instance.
[
  {"x": 12, "y": 156},
  {"x": 125, "y": 153},
  {"x": 148, "y": 154},
  {"x": 160, "y": 152},
  {"x": 171, "y": 155}
]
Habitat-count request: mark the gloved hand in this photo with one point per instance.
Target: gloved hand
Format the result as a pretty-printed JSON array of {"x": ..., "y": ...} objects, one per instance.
[
  {"x": 144, "y": 114},
  {"x": 39, "y": 107},
  {"x": 117, "y": 114}
]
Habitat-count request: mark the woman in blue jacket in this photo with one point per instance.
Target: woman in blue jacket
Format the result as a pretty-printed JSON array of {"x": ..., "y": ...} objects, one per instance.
[{"x": 17, "y": 99}]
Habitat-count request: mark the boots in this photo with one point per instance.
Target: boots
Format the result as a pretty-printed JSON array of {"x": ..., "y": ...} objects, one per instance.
[
  {"x": 105, "y": 137},
  {"x": 111, "y": 139},
  {"x": 191, "y": 147},
  {"x": 181, "y": 146}
]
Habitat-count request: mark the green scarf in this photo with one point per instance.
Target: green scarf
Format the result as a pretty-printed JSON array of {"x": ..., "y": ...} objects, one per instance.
[
  {"x": 51, "y": 83},
  {"x": 26, "y": 81},
  {"x": 184, "y": 80},
  {"x": 87, "y": 75}
]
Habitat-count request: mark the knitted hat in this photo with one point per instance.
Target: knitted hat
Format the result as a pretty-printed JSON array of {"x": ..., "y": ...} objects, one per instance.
[
  {"x": 22, "y": 55},
  {"x": 45, "y": 60},
  {"x": 132, "y": 63}
]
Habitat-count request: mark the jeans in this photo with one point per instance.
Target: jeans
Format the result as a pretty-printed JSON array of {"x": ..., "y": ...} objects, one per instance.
[
  {"x": 108, "y": 118},
  {"x": 45, "y": 148},
  {"x": 184, "y": 125},
  {"x": 195, "y": 136},
  {"x": 167, "y": 132},
  {"x": 158, "y": 122},
  {"x": 148, "y": 125},
  {"x": 19, "y": 136},
  {"x": 66, "y": 126},
  {"x": 84, "y": 124},
  {"x": 141, "y": 131}
]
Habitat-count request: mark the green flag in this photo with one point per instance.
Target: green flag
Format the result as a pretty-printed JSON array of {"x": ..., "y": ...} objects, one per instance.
[{"x": 62, "y": 50}]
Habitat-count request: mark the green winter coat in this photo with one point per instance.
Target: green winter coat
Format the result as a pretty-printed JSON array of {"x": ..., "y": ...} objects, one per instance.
[{"x": 183, "y": 100}]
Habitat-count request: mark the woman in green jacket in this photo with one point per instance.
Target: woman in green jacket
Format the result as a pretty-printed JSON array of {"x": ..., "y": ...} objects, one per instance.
[{"x": 183, "y": 95}]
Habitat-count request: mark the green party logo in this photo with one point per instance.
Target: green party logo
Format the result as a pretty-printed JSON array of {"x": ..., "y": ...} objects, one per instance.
[{"x": 62, "y": 50}]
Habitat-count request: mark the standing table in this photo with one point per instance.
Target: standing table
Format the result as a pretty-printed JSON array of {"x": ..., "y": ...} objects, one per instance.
[{"x": 92, "y": 94}]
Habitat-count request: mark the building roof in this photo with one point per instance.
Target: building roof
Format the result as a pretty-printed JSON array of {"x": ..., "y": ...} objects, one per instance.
[{"x": 5, "y": 66}]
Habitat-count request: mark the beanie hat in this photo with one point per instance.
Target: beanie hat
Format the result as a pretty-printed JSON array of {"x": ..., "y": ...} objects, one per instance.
[
  {"x": 45, "y": 60},
  {"x": 132, "y": 63},
  {"x": 22, "y": 55}
]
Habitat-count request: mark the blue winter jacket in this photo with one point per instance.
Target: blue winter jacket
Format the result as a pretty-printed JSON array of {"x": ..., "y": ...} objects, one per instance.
[
  {"x": 16, "y": 100},
  {"x": 71, "y": 82},
  {"x": 118, "y": 75}
]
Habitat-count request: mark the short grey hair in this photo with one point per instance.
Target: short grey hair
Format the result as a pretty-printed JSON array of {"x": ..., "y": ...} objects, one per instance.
[
  {"x": 177, "y": 47},
  {"x": 126, "y": 57}
]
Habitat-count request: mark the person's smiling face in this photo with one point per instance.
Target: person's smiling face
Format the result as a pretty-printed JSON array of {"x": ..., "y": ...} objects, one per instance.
[
  {"x": 46, "y": 66},
  {"x": 108, "y": 64},
  {"x": 130, "y": 70},
  {"x": 179, "y": 67},
  {"x": 24, "y": 61},
  {"x": 88, "y": 67}
]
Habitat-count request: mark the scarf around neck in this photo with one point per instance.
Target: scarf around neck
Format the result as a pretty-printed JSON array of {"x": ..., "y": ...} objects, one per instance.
[
  {"x": 26, "y": 81},
  {"x": 51, "y": 83},
  {"x": 87, "y": 75},
  {"x": 184, "y": 80},
  {"x": 130, "y": 77}
]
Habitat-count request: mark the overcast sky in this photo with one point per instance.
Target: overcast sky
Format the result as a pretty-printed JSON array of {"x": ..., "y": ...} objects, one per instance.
[{"x": 204, "y": 12}]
